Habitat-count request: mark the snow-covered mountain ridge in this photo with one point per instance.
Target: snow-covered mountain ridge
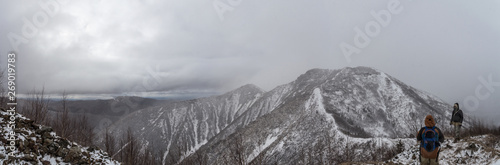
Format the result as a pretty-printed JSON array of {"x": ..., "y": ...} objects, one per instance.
[
  {"x": 180, "y": 128},
  {"x": 345, "y": 108},
  {"x": 352, "y": 106}
]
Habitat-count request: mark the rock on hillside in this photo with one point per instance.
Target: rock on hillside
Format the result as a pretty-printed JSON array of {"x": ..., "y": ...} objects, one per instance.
[{"x": 38, "y": 144}]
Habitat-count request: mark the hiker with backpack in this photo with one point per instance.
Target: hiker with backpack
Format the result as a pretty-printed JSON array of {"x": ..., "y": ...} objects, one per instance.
[
  {"x": 430, "y": 138},
  {"x": 457, "y": 117}
]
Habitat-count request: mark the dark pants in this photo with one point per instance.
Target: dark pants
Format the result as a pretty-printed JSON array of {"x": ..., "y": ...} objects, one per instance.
[
  {"x": 425, "y": 161},
  {"x": 457, "y": 127}
]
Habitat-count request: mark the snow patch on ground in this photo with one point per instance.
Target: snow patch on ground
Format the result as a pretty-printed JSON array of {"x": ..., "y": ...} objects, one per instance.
[
  {"x": 474, "y": 150},
  {"x": 259, "y": 149},
  {"x": 95, "y": 157},
  {"x": 496, "y": 163},
  {"x": 315, "y": 103},
  {"x": 193, "y": 149}
]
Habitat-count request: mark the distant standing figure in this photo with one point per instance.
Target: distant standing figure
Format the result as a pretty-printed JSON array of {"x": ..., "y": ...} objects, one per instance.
[
  {"x": 430, "y": 138},
  {"x": 457, "y": 117}
]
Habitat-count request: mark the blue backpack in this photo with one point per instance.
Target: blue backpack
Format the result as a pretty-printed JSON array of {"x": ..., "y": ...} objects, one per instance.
[{"x": 430, "y": 139}]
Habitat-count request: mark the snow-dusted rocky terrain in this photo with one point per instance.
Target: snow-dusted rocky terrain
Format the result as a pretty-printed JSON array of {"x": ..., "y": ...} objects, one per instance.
[
  {"x": 358, "y": 108},
  {"x": 37, "y": 144},
  {"x": 483, "y": 149}
]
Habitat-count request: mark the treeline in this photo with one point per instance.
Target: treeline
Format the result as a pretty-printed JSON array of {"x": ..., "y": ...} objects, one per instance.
[
  {"x": 128, "y": 151},
  {"x": 325, "y": 150},
  {"x": 73, "y": 128}
]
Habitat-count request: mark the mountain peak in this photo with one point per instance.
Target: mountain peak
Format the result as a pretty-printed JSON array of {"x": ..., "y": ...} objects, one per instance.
[
  {"x": 356, "y": 105},
  {"x": 360, "y": 70},
  {"x": 248, "y": 88},
  {"x": 317, "y": 76},
  {"x": 317, "y": 70},
  {"x": 350, "y": 70}
]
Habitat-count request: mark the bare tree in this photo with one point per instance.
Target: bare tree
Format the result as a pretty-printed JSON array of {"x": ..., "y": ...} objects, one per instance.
[
  {"x": 109, "y": 143},
  {"x": 3, "y": 90},
  {"x": 62, "y": 124},
  {"x": 479, "y": 127},
  {"x": 120, "y": 151},
  {"x": 413, "y": 125},
  {"x": 319, "y": 149},
  {"x": 36, "y": 107},
  {"x": 260, "y": 158},
  {"x": 157, "y": 155},
  {"x": 238, "y": 148},
  {"x": 146, "y": 157},
  {"x": 331, "y": 150},
  {"x": 151, "y": 156},
  {"x": 131, "y": 148},
  {"x": 236, "y": 151},
  {"x": 197, "y": 158},
  {"x": 83, "y": 132}
]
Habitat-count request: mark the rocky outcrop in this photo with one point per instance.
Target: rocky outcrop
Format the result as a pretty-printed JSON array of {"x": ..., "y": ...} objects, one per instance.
[{"x": 38, "y": 144}]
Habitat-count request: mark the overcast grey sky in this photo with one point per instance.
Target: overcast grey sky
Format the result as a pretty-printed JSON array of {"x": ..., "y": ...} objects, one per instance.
[{"x": 193, "y": 47}]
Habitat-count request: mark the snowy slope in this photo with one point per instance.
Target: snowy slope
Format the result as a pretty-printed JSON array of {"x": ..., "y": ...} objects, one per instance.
[
  {"x": 37, "y": 144},
  {"x": 381, "y": 105},
  {"x": 484, "y": 149},
  {"x": 359, "y": 108},
  {"x": 179, "y": 128}
]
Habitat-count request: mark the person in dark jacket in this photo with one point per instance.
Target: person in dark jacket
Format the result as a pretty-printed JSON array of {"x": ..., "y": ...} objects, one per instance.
[
  {"x": 457, "y": 117},
  {"x": 430, "y": 157}
]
